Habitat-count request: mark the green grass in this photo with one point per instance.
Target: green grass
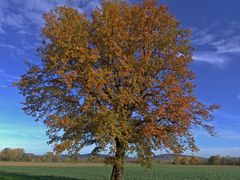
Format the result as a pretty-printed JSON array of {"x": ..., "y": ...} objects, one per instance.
[{"x": 132, "y": 172}]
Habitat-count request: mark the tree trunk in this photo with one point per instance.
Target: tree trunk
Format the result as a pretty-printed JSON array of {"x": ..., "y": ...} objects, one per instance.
[{"x": 117, "y": 171}]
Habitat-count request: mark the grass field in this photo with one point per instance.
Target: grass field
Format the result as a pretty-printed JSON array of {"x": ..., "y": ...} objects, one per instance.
[{"x": 87, "y": 171}]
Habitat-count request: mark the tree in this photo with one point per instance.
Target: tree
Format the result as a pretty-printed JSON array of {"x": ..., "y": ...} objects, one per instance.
[
  {"x": 195, "y": 161},
  {"x": 176, "y": 160},
  {"x": 119, "y": 79},
  {"x": 185, "y": 160},
  {"x": 28, "y": 157},
  {"x": 8, "y": 154},
  {"x": 51, "y": 157},
  {"x": 214, "y": 160}
]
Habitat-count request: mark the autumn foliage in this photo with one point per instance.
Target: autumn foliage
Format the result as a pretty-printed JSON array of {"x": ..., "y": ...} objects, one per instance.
[{"x": 119, "y": 80}]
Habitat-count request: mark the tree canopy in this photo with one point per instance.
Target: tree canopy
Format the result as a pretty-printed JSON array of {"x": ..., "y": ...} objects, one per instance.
[{"x": 119, "y": 80}]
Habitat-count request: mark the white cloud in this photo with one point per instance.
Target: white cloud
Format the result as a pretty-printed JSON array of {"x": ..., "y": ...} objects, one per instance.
[
  {"x": 27, "y": 14},
  {"x": 22, "y": 21},
  {"x": 20, "y": 25},
  {"x": 228, "y": 45},
  {"x": 4, "y": 45},
  {"x": 223, "y": 43},
  {"x": 210, "y": 57},
  {"x": 202, "y": 37}
]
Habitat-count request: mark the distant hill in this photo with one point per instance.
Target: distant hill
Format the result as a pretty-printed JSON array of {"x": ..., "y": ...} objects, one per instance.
[{"x": 170, "y": 157}]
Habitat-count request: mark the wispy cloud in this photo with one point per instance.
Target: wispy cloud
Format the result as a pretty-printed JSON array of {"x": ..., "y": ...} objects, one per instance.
[
  {"x": 2, "y": 31},
  {"x": 4, "y": 45},
  {"x": 7, "y": 75},
  {"x": 226, "y": 127},
  {"x": 203, "y": 37},
  {"x": 228, "y": 45},
  {"x": 210, "y": 57},
  {"x": 20, "y": 26},
  {"x": 223, "y": 43},
  {"x": 27, "y": 14},
  {"x": 6, "y": 79},
  {"x": 21, "y": 22}
]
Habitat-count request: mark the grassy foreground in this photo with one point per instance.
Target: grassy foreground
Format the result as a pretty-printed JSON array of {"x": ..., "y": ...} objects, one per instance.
[{"x": 92, "y": 171}]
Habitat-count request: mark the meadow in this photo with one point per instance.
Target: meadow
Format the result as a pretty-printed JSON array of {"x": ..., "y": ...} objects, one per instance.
[{"x": 94, "y": 171}]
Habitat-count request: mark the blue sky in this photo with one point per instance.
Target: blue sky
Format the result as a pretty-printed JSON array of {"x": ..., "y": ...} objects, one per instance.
[{"x": 215, "y": 29}]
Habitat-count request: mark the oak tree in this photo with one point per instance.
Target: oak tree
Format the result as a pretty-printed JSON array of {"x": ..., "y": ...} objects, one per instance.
[{"x": 119, "y": 80}]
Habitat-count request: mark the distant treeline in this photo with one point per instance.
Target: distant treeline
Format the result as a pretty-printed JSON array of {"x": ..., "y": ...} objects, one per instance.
[
  {"x": 213, "y": 160},
  {"x": 19, "y": 155},
  {"x": 218, "y": 160}
]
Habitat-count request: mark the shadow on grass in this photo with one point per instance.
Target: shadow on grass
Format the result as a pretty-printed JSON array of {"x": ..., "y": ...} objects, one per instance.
[{"x": 21, "y": 176}]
